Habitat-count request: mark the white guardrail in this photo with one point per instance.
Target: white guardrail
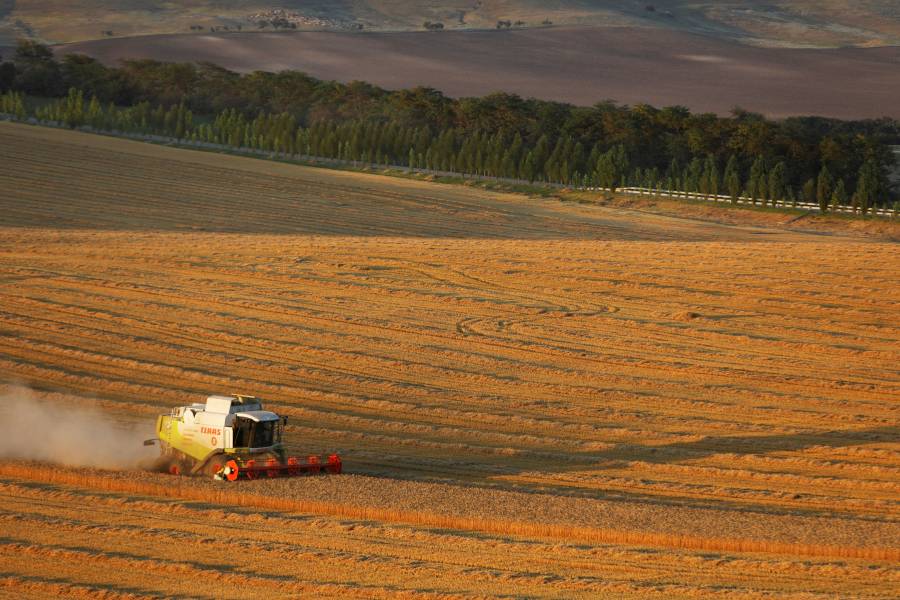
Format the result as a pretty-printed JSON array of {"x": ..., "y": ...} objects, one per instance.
[
  {"x": 633, "y": 191},
  {"x": 637, "y": 191}
]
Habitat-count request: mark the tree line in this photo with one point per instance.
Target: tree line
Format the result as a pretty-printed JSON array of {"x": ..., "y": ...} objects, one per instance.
[{"x": 813, "y": 159}]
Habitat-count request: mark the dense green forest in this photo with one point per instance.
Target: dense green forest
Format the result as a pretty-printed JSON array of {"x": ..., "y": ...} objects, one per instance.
[{"x": 810, "y": 158}]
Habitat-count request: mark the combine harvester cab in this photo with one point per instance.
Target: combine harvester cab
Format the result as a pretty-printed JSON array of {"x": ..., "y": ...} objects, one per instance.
[{"x": 231, "y": 437}]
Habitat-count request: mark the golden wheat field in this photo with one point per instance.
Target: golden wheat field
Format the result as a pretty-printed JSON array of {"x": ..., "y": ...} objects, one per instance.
[{"x": 533, "y": 398}]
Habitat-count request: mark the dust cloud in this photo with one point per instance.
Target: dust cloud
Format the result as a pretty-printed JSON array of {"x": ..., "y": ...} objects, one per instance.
[{"x": 35, "y": 429}]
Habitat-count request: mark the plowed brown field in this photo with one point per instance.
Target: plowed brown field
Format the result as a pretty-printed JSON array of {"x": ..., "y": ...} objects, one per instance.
[
  {"x": 533, "y": 398},
  {"x": 579, "y": 65}
]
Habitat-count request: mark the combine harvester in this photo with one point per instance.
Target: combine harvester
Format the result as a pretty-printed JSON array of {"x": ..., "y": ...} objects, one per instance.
[{"x": 230, "y": 438}]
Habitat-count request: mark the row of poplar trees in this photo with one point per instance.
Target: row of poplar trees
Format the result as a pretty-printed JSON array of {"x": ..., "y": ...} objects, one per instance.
[{"x": 563, "y": 161}]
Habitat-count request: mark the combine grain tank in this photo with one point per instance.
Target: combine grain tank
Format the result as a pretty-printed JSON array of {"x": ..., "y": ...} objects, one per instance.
[{"x": 230, "y": 437}]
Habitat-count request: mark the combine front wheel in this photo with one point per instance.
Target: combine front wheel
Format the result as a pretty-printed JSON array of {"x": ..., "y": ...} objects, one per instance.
[
  {"x": 177, "y": 467},
  {"x": 231, "y": 470}
]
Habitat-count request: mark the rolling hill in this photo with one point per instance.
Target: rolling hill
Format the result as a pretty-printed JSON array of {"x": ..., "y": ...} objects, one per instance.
[
  {"x": 796, "y": 23},
  {"x": 823, "y": 57}
]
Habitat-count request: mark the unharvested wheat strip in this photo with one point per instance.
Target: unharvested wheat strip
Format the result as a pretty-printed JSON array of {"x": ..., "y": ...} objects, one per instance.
[{"x": 596, "y": 535}]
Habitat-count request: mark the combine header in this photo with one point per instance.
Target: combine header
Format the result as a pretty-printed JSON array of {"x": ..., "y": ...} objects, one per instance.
[{"x": 230, "y": 437}]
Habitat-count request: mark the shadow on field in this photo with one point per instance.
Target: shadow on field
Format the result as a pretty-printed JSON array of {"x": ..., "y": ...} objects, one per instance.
[
  {"x": 484, "y": 473},
  {"x": 751, "y": 444}
]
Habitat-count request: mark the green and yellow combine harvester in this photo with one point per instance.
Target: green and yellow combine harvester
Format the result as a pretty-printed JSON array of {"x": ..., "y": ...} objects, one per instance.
[{"x": 230, "y": 438}]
